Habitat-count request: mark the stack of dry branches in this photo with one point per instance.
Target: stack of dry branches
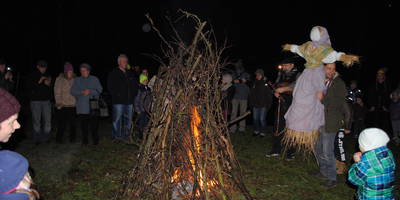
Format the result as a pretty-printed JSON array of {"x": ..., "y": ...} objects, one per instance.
[{"x": 187, "y": 152}]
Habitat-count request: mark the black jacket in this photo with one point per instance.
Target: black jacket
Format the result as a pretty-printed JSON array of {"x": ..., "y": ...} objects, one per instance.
[
  {"x": 378, "y": 95},
  {"x": 143, "y": 99},
  {"x": 39, "y": 92},
  {"x": 260, "y": 95},
  {"x": 123, "y": 86}
]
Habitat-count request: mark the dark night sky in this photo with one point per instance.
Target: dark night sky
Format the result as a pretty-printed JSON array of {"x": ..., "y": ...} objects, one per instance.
[{"x": 96, "y": 32}]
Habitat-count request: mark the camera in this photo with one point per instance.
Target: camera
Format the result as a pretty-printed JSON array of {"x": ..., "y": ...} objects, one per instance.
[
  {"x": 352, "y": 95},
  {"x": 9, "y": 69}
]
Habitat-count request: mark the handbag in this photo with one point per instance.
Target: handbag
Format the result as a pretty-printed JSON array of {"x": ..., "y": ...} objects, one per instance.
[
  {"x": 339, "y": 151},
  {"x": 94, "y": 107},
  {"x": 103, "y": 108}
]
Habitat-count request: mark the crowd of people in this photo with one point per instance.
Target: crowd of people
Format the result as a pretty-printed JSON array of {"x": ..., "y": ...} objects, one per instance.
[
  {"x": 69, "y": 97},
  {"x": 342, "y": 110}
]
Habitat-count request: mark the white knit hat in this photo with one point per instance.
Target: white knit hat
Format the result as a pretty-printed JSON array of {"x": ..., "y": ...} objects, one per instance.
[{"x": 372, "y": 138}]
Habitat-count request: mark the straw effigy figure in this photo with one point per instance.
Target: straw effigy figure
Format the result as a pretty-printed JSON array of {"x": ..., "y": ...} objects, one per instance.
[{"x": 305, "y": 116}]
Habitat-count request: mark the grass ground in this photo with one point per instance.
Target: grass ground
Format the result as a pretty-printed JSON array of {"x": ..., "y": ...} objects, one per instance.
[{"x": 73, "y": 172}]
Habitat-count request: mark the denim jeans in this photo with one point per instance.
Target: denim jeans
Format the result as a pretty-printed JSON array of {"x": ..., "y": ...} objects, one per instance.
[
  {"x": 122, "y": 121},
  {"x": 259, "y": 119},
  {"x": 325, "y": 154},
  {"x": 41, "y": 114}
]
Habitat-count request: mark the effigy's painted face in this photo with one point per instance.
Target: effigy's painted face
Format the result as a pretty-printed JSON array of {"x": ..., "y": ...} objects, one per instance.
[{"x": 315, "y": 34}]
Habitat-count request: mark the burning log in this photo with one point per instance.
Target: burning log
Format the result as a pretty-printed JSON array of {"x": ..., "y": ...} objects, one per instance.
[{"x": 187, "y": 152}]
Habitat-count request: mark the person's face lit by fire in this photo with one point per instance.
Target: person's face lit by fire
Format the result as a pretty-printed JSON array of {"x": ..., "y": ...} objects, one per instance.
[
  {"x": 122, "y": 62},
  {"x": 353, "y": 85},
  {"x": 8, "y": 127},
  {"x": 145, "y": 72},
  {"x": 287, "y": 67},
  {"x": 330, "y": 70},
  {"x": 137, "y": 68},
  {"x": 259, "y": 76},
  {"x": 84, "y": 72},
  {"x": 42, "y": 69},
  {"x": 380, "y": 77},
  {"x": 69, "y": 74}
]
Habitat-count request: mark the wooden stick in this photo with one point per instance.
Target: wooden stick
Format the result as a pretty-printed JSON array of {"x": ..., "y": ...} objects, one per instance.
[{"x": 239, "y": 118}]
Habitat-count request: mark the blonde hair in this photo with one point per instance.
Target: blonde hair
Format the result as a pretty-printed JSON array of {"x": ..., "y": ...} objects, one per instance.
[{"x": 25, "y": 187}]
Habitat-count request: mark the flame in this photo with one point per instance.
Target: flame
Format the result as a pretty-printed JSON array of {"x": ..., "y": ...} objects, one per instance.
[{"x": 194, "y": 125}]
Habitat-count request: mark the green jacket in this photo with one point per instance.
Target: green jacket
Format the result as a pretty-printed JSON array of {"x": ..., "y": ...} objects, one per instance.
[
  {"x": 334, "y": 102},
  {"x": 374, "y": 175}
]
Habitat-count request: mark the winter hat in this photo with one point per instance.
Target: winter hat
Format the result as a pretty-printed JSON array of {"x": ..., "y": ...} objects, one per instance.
[
  {"x": 13, "y": 167},
  {"x": 9, "y": 105},
  {"x": 372, "y": 138},
  {"x": 381, "y": 71},
  {"x": 288, "y": 60},
  {"x": 86, "y": 66},
  {"x": 42, "y": 63},
  {"x": 142, "y": 78},
  {"x": 259, "y": 71},
  {"x": 244, "y": 76},
  {"x": 68, "y": 67}
]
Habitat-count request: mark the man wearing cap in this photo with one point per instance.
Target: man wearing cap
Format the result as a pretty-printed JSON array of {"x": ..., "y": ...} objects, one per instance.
[
  {"x": 9, "y": 109},
  {"x": 123, "y": 86},
  {"x": 40, "y": 95},
  {"x": 260, "y": 99},
  {"x": 284, "y": 85}
]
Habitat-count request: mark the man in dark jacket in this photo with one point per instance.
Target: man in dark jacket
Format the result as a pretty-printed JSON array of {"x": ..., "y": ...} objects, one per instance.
[
  {"x": 284, "y": 84},
  {"x": 260, "y": 99},
  {"x": 335, "y": 113},
  {"x": 40, "y": 95},
  {"x": 379, "y": 101},
  {"x": 123, "y": 86}
]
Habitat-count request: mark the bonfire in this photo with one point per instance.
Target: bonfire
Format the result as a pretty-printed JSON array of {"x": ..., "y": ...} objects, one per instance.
[{"x": 186, "y": 152}]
